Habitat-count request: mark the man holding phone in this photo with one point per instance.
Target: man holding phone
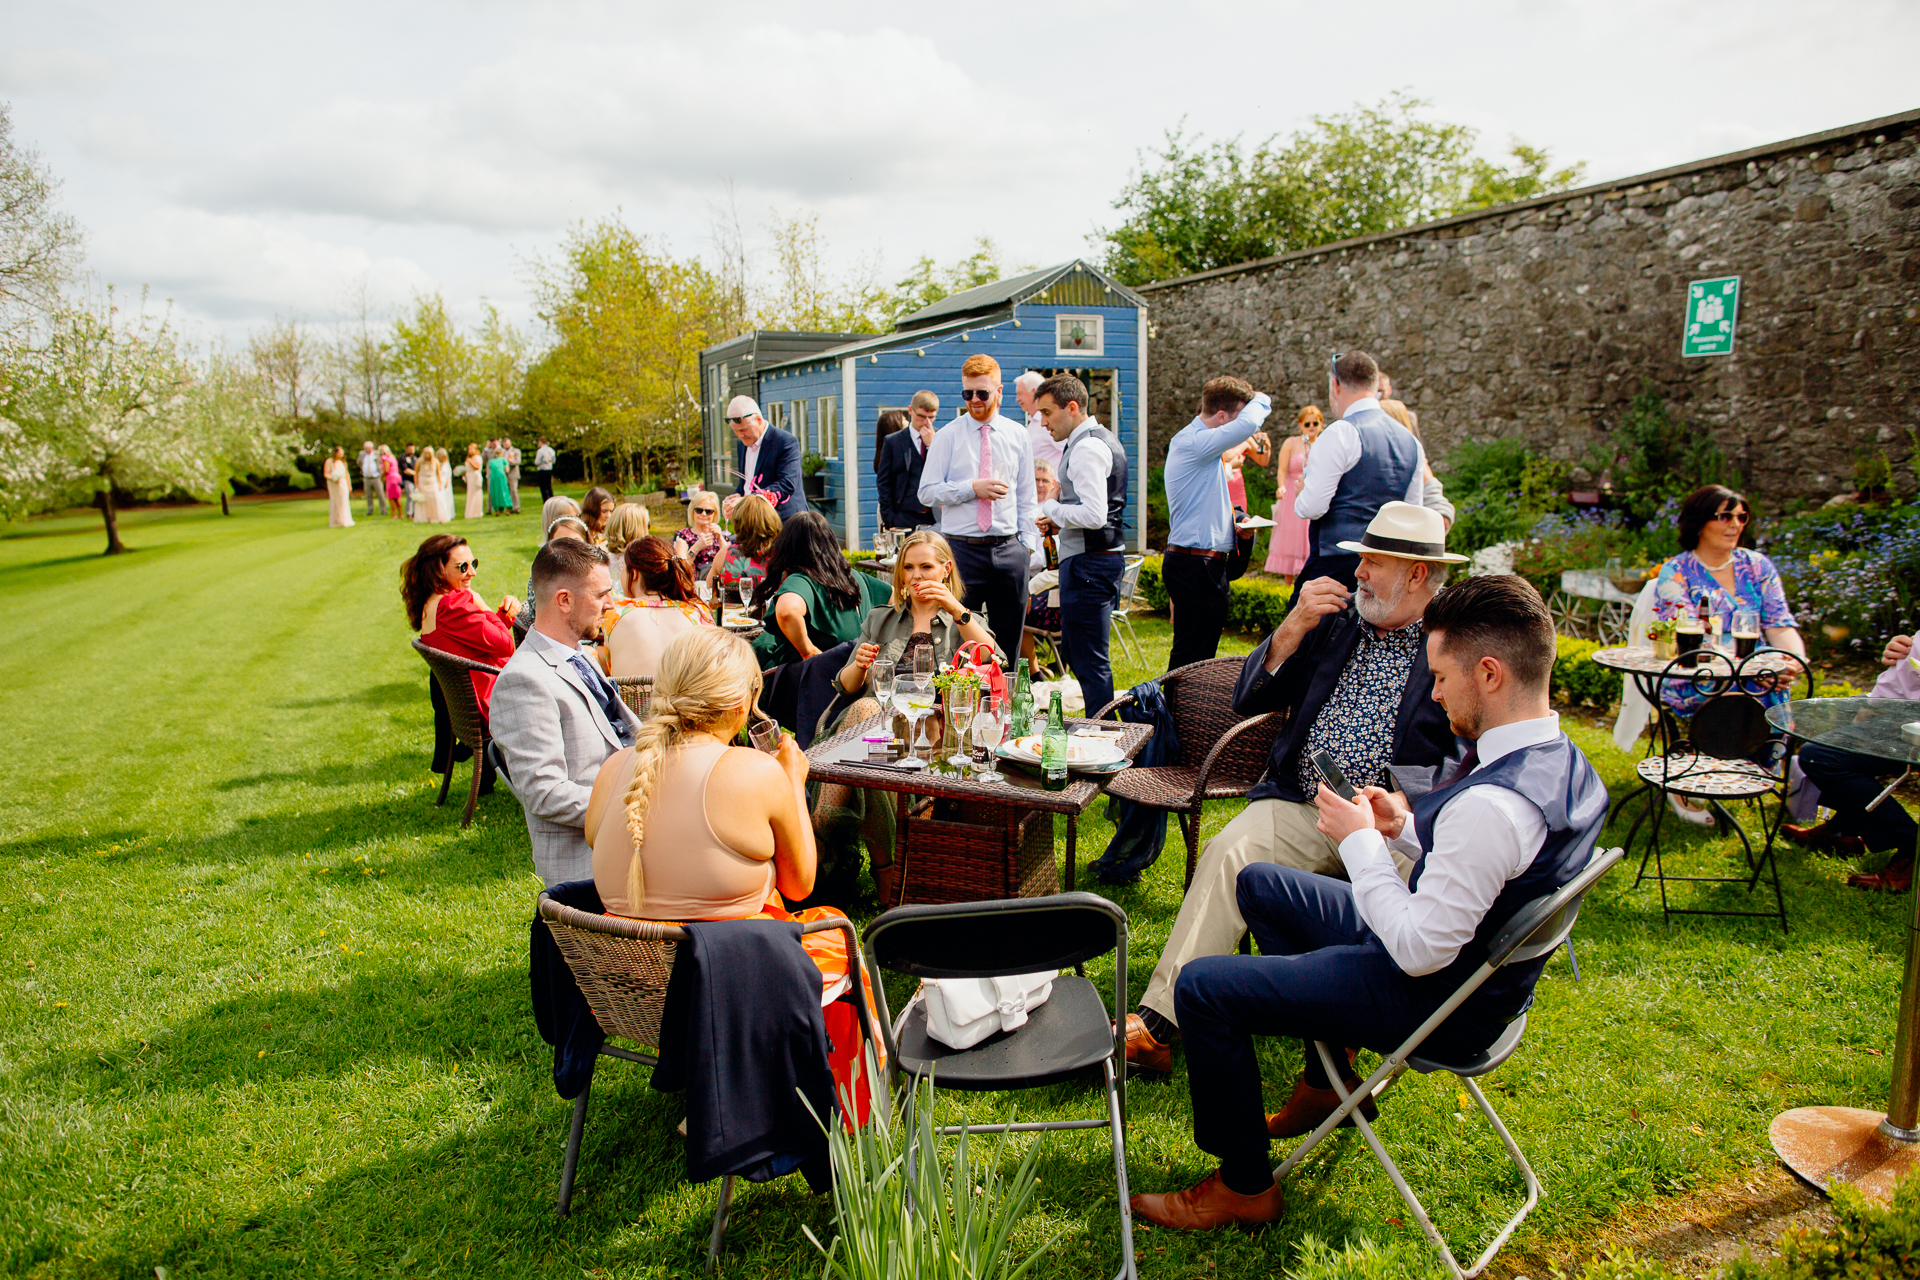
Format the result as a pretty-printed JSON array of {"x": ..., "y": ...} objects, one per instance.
[
  {"x": 1351, "y": 668},
  {"x": 1364, "y": 964}
]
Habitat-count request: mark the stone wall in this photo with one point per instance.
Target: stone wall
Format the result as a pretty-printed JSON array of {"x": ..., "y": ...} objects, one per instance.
[{"x": 1542, "y": 319}]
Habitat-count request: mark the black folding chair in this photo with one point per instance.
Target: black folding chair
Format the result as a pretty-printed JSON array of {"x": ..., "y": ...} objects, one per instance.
[
  {"x": 1072, "y": 1036},
  {"x": 1532, "y": 933}
]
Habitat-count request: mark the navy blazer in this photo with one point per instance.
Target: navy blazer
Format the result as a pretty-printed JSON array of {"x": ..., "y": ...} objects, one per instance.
[
  {"x": 777, "y": 471},
  {"x": 1421, "y": 733},
  {"x": 898, "y": 466}
]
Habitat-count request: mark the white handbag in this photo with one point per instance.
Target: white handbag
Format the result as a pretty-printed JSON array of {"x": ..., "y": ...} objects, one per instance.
[{"x": 961, "y": 1012}]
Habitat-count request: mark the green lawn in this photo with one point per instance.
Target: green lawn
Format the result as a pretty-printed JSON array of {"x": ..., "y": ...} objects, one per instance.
[{"x": 265, "y": 1006}]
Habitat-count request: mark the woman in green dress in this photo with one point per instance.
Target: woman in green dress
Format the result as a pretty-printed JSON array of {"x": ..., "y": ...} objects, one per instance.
[
  {"x": 499, "y": 496},
  {"x": 808, "y": 598}
]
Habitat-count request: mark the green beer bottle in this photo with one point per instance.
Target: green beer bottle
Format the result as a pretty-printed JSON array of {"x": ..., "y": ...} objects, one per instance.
[
  {"x": 1053, "y": 747},
  {"x": 1021, "y": 721}
]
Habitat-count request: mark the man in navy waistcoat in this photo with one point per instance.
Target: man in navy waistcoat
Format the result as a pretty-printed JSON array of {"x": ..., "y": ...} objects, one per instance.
[{"x": 1364, "y": 963}]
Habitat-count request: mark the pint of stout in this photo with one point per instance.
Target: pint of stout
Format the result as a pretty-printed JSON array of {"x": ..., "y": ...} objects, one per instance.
[{"x": 1687, "y": 635}]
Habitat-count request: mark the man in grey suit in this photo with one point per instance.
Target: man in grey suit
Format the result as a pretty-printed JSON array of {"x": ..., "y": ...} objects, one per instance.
[{"x": 555, "y": 718}]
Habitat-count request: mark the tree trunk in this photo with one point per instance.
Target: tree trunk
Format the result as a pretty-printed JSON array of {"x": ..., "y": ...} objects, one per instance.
[
  {"x": 223, "y": 503},
  {"x": 105, "y": 502}
]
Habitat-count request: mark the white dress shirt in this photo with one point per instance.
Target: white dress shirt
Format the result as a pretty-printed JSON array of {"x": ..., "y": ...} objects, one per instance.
[
  {"x": 753, "y": 456},
  {"x": 543, "y": 458},
  {"x": 1334, "y": 454},
  {"x": 1482, "y": 838},
  {"x": 953, "y": 464},
  {"x": 1045, "y": 447},
  {"x": 1088, "y": 470}
]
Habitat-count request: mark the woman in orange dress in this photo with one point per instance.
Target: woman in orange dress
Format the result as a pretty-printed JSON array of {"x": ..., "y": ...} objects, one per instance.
[
  {"x": 685, "y": 826},
  {"x": 436, "y": 584}
]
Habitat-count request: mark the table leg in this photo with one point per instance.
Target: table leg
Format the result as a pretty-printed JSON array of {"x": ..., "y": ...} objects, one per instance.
[
  {"x": 1073, "y": 841},
  {"x": 1870, "y": 1149}
]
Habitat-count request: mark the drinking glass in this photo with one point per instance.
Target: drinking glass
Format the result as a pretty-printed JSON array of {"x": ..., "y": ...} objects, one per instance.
[
  {"x": 919, "y": 705},
  {"x": 881, "y": 676},
  {"x": 766, "y": 735},
  {"x": 703, "y": 589},
  {"x": 961, "y": 706},
  {"x": 746, "y": 586},
  {"x": 989, "y": 727},
  {"x": 1746, "y": 632}
]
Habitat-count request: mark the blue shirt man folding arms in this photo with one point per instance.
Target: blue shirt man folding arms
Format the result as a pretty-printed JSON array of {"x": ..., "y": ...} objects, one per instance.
[
  {"x": 978, "y": 479},
  {"x": 1363, "y": 964},
  {"x": 1201, "y": 541}
]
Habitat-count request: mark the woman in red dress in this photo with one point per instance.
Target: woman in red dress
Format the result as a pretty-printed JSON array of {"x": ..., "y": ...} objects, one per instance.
[{"x": 437, "y": 585}]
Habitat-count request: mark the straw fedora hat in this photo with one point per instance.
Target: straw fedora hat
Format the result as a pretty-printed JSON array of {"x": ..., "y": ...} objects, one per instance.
[{"x": 1406, "y": 532}]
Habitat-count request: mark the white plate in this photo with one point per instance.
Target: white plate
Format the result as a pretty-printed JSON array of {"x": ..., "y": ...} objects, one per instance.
[
  {"x": 1082, "y": 753},
  {"x": 1254, "y": 522}
]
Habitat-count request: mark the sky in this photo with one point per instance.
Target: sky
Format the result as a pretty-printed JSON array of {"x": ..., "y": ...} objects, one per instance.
[{"x": 249, "y": 162}]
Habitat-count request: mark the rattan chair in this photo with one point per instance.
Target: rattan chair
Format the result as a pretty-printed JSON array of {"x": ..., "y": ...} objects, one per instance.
[
  {"x": 636, "y": 692},
  {"x": 1071, "y": 1037},
  {"x": 622, "y": 967},
  {"x": 1221, "y": 756},
  {"x": 450, "y": 671},
  {"x": 1531, "y": 934}
]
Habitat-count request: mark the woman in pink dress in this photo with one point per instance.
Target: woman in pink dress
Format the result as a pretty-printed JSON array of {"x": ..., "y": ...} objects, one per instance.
[{"x": 1287, "y": 553}]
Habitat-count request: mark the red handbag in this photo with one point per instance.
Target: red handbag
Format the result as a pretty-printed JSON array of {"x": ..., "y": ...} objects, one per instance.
[{"x": 977, "y": 656}]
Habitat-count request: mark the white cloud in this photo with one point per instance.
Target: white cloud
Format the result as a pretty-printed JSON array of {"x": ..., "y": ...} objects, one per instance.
[
  {"x": 561, "y": 130},
  {"x": 230, "y": 267},
  {"x": 38, "y": 70},
  {"x": 119, "y": 138}
]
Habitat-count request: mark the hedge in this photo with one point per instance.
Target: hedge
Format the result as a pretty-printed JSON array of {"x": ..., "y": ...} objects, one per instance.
[
  {"x": 1254, "y": 605},
  {"x": 1578, "y": 681}
]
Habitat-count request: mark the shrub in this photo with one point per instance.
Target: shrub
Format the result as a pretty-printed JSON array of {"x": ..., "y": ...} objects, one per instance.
[
  {"x": 1661, "y": 458},
  {"x": 1257, "y": 605},
  {"x": 1851, "y": 574},
  {"x": 1499, "y": 490},
  {"x": 1578, "y": 681}
]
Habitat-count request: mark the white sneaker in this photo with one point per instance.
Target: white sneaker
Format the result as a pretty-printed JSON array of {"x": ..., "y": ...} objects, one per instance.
[{"x": 1687, "y": 813}]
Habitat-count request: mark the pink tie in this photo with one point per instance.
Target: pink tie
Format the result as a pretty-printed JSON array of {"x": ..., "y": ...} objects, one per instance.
[{"x": 983, "y": 509}]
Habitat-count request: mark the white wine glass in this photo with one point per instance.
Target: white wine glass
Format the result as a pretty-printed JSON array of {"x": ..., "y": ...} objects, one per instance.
[
  {"x": 919, "y": 705},
  {"x": 962, "y": 703},
  {"x": 989, "y": 727}
]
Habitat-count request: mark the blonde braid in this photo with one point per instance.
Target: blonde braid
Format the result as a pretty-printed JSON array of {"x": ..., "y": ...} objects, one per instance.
[{"x": 699, "y": 683}]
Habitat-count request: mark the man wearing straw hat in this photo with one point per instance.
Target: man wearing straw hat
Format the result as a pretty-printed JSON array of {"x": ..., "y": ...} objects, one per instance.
[{"x": 1351, "y": 667}]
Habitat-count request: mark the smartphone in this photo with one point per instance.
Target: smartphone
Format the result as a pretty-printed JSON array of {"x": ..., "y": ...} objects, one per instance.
[{"x": 1329, "y": 770}]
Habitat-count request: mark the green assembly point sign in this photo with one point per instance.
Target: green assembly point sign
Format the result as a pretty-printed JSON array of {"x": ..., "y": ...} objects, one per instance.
[{"x": 1712, "y": 307}]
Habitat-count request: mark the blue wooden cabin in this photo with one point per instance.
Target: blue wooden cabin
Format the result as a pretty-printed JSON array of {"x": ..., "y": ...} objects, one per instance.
[{"x": 830, "y": 389}]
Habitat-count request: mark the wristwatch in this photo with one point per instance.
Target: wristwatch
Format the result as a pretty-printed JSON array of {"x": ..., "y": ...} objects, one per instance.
[{"x": 966, "y": 616}]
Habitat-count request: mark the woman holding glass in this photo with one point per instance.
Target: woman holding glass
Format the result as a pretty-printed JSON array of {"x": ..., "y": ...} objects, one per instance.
[
  {"x": 1717, "y": 576},
  {"x": 925, "y": 616}
]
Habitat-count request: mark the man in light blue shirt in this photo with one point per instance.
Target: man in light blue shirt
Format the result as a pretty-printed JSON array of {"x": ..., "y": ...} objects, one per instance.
[
  {"x": 1202, "y": 540},
  {"x": 983, "y": 501}
]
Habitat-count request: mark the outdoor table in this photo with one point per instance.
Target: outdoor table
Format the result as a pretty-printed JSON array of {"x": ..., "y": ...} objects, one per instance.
[
  {"x": 1824, "y": 1145},
  {"x": 964, "y": 840},
  {"x": 1715, "y": 673},
  {"x": 879, "y": 566}
]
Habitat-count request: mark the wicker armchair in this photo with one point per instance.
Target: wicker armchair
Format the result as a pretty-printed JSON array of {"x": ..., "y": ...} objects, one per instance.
[
  {"x": 1221, "y": 756},
  {"x": 636, "y": 692},
  {"x": 463, "y": 709},
  {"x": 622, "y": 966}
]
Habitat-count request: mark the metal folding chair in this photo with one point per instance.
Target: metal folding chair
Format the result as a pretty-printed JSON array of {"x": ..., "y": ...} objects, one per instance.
[
  {"x": 1532, "y": 933},
  {"x": 1129, "y": 585},
  {"x": 1069, "y": 1037},
  {"x": 622, "y": 967}
]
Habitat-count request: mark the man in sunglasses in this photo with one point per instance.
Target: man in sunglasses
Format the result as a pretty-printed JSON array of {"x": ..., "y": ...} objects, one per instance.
[
  {"x": 768, "y": 459},
  {"x": 978, "y": 479}
]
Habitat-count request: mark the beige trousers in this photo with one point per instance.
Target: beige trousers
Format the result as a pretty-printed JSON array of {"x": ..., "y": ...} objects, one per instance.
[{"x": 1209, "y": 923}]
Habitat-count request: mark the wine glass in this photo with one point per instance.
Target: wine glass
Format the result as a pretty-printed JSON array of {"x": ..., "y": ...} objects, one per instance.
[
  {"x": 745, "y": 585},
  {"x": 962, "y": 702},
  {"x": 880, "y": 678},
  {"x": 989, "y": 726},
  {"x": 918, "y": 699},
  {"x": 704, "y": 590}
]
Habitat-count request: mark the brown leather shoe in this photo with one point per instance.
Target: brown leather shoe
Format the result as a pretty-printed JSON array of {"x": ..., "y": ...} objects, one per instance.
[
  {"x": 1144, "y": 1053},
  {"x": 1825, "y": 837},
  {"x": 1896, "y": 877},
  {"x": 1309, "y": 1106},
  {"x": 1211, "y": 1204}
]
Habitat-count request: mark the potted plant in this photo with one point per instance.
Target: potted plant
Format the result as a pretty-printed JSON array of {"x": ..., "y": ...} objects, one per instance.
[
  {"x": 814, "y": 483},
  {"x": 1661, "y": 634}
]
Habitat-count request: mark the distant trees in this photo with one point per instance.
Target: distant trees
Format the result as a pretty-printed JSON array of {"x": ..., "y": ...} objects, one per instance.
[
  {"x": 39, "y": 245},
  {"x": 1200, "y": 205}
]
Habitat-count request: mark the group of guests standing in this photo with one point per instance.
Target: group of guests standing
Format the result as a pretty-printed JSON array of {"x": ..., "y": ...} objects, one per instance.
[{"x": 418, "y": 484}]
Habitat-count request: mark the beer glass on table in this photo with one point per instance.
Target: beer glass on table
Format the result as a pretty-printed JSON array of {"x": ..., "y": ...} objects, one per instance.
[{"x": 1746, "y": 632}]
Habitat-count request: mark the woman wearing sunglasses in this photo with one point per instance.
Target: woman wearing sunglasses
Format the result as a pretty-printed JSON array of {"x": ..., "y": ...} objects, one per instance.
[
  {"x": 703, "y": 539},
  {"x": 436, "y": 583},
  {"x": 1716, "y": 573}
]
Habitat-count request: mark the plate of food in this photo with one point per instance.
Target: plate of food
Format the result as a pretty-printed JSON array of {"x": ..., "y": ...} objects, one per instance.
[{"x": 1086, "y": 753}]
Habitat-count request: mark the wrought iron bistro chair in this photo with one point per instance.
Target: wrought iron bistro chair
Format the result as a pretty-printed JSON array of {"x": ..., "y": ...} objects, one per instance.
[
  {"x": 451, "y": 673},
  {"x": 622, "y": 967},
  {"x": 1070, "y": 1037},
  {"x": 1531, "y": 934},
  {"x": 636, "y": 692},
  {"x": 1221, "y": 756},
  {"x": 1713, "y": 762}
]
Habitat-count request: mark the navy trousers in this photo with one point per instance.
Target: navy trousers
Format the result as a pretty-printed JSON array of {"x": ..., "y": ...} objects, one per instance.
[
  {"x": 1320, "y": 975},
  {"x": 1848, "y": 783},
  {"x": 995, "y": 577},
  {"x": 1088, "y": 583}
]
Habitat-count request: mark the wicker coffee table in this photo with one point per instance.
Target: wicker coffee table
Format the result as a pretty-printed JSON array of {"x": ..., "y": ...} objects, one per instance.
[{"x": 961, "y": 840}]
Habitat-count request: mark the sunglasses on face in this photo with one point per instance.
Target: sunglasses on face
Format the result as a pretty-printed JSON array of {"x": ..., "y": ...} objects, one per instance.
[
  {"x": 734, "y": 422},
  {"x": 982, "y": 396},
  {"x": 706, "y": 511},
  {"x": 1731, "y": 517},
  {"x": 462, "y": 566}
]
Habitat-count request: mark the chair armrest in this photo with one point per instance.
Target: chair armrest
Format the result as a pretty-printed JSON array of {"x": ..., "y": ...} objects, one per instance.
[
  {"x": 856, "y": 971},
  {"x": 1206, "y": 766},
  {"x": 615, "y": 926},
  {"x": 1115, "y": 705}
]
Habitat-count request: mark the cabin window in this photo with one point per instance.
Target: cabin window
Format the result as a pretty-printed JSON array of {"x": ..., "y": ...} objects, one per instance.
[
  {"x": 1079, "y": 336},
  {"x": 827, "y": 418},
  {"x": 798, "y": 412},
  {"x": 777, "y": 415}
]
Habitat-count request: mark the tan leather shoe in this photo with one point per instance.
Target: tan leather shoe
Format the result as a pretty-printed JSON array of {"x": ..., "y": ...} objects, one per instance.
[
  {"x": 1309, "y": 1106},
  {"x": 1144, "y": 1053},
  {"x": 1211, "y": 1204}
]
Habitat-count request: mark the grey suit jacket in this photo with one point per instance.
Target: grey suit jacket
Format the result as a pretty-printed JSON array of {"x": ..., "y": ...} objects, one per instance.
[{"x": 553, "y": 737}]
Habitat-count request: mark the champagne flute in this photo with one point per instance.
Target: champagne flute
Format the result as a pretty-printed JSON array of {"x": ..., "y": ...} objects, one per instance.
[
  {"x": 962, "y": 702},
  {"x": 702, "y": 589},
  {"x": 989, "y": 726},
  {"x": 919, "y": 700}
]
